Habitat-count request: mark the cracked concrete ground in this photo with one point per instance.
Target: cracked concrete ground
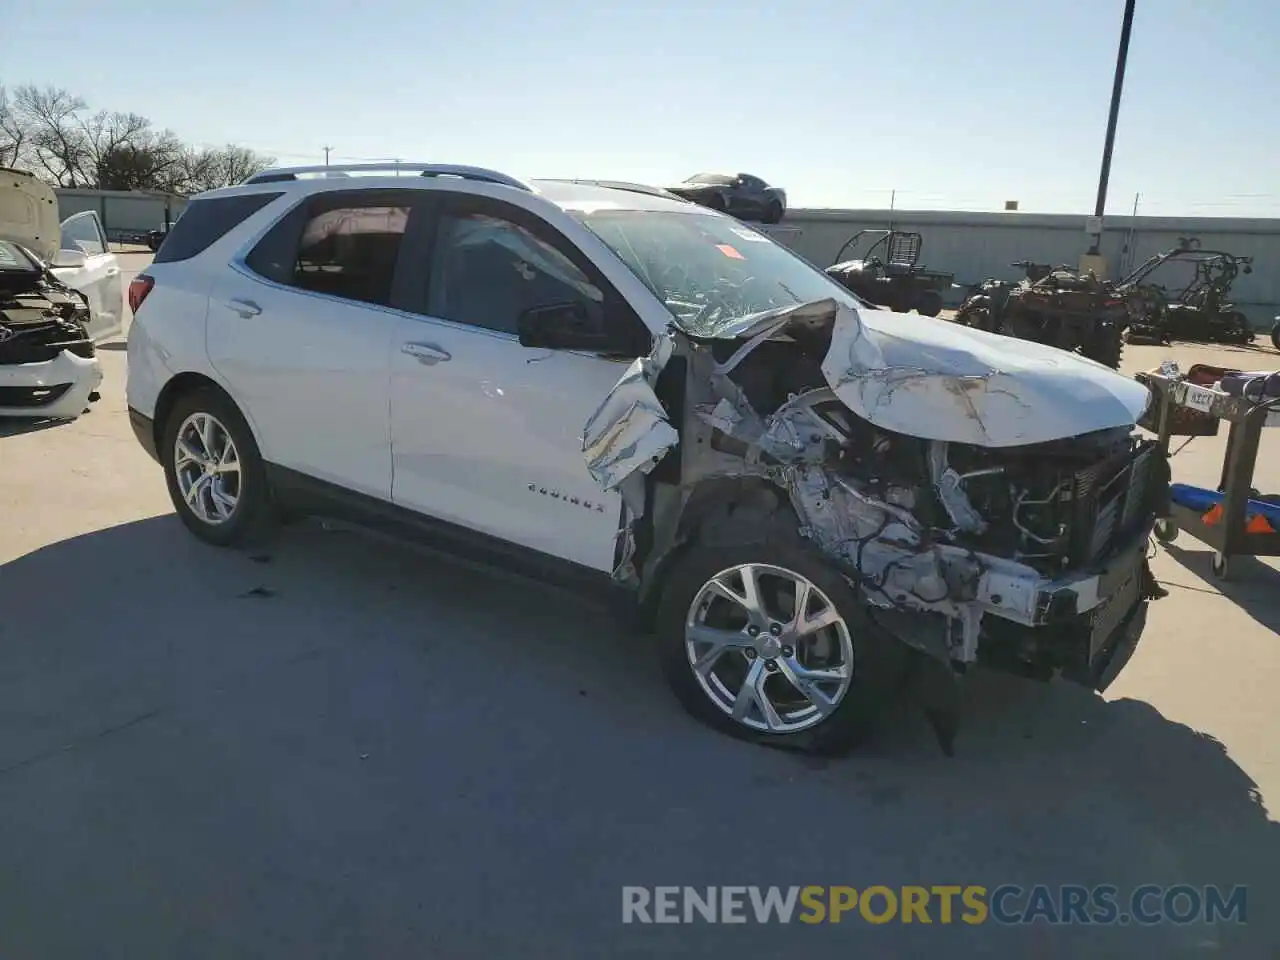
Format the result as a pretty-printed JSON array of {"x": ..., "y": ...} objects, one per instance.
[{"x": 342, "y": 747}]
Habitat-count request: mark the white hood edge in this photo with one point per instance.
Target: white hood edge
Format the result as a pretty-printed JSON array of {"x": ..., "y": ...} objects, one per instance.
[{"x": 29, "y": 213}]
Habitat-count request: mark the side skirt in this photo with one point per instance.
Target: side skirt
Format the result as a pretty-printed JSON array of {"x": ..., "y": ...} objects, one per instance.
[{"x": 296, "y": 492}]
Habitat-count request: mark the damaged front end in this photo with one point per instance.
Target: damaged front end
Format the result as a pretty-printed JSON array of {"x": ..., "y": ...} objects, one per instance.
[
  {"x": 990, "y": 505},
  {"x": 48, "y": 365}
]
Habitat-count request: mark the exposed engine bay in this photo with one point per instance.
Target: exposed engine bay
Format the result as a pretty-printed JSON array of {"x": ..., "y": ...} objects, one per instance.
[
  {"x": 46, "y": 351},
  {"x": 1027, "y": 556},
  {"x": 41, "y": 315}
]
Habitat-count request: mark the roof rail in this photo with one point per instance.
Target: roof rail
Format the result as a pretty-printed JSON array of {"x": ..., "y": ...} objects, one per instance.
[
  {"x": 480, "y": 174},
  {"x": 627, "y": 186}
]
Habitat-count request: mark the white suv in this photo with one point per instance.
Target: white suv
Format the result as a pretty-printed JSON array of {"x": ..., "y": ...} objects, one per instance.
[{"x": 601, "y": 384}]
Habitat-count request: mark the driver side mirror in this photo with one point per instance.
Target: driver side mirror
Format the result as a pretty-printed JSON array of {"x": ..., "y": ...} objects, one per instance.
[
  {"x": 69, "y": 258},
  {"x": 563, "y": 326}
]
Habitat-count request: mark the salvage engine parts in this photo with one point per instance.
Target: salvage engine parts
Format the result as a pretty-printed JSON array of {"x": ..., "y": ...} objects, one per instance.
[
  {"x": 970, "y": 527},
  {"x": 1054, "y": 306},
  {"x": 39, "y": 315}
]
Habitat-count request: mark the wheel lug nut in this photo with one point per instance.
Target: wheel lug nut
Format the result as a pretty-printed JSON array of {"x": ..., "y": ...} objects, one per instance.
[
  {"x": 788, "y": 652},
  {"x": 751, "y": 654},
  {"x": 775, "y": 628},
  {"x": 753, "y": 631},
  {"x": 771, "y": 666}
]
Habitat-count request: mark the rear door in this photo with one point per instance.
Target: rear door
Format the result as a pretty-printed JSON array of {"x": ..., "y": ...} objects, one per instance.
[
  {"x": 487, "y": 433},
  {"x": 301, "y": 327},
  {"x": 99, "y": 278}
]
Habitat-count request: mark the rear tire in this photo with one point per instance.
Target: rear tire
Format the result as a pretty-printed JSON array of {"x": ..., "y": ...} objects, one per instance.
[
  {"x": 211, "y": 504},
  {"x": 764, "y": 541},
  {"x": 773, "y": 213},
  {"x": 1275, "y": 336}
]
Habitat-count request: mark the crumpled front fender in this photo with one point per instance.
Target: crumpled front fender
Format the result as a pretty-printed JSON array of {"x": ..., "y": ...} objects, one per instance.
[{"x": 629, "y": 433}]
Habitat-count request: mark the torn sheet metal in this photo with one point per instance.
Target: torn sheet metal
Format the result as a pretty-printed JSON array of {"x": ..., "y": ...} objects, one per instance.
[
  {"x": 942, "y": 381},
  {"x": 629, "y": 432},
  {"x": 950, "y": 487}
]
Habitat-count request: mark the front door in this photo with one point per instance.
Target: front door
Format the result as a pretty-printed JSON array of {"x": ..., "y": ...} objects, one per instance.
[
  {"x": 487, "y": 433},
  {"x": 99, "y": 278},
  {"x": 301, "y": 330}
]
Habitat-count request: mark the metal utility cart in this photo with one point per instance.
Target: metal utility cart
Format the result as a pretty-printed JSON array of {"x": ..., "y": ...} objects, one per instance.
[{"x": 1182, "y": 408}]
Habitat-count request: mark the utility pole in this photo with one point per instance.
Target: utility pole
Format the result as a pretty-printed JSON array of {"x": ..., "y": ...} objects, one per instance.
[
  {"x": 1117, "y": 85},
  {"x": 326, "y": 155}
]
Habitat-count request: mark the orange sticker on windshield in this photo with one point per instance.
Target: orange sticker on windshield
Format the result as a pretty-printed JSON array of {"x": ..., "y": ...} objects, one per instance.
[{"x": 730, "y": 252}]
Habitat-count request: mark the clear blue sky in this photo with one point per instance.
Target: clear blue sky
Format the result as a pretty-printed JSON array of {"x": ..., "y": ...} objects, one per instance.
[{"x": 960, "y": 104}]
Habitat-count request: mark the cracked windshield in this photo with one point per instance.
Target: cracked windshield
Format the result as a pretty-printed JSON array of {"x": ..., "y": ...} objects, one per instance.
[{"x": 711, "y": 272}]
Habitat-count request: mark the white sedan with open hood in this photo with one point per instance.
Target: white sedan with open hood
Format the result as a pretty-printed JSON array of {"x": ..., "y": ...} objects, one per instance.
[
  {"x": 806, "y": 500},
  {"x": 60, "y": 292}
]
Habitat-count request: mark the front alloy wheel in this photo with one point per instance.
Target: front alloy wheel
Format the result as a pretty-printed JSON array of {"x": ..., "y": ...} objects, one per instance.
[
  {"x": 769, "y": 648},
  {"x": 206, "y": 465}
]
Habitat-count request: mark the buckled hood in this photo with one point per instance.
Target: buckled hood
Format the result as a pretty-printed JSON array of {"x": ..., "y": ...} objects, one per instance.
[
  {"x": 29, "y": 213},
  {"x": 938, "y": 380},
  {"x": 904, "y": 373}
]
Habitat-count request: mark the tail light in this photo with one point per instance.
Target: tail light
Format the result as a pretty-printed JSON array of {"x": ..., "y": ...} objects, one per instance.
[{"x": 139, "y": 287}]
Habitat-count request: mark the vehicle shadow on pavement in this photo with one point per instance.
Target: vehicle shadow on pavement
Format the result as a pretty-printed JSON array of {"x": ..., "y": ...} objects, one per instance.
[
  {"x": 338, "y": 739},
  {"x": 1253, "y": 586},
  {"x": 16, "y": 426}
]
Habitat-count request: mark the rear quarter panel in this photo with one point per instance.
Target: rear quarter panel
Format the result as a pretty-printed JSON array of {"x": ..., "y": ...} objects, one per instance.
[{"x": 167, "y": 336}]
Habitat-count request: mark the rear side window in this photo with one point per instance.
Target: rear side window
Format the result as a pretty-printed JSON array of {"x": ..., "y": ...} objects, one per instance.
[
  {"x": 351, "y": 252},
  {"x": 340, "y": 245},
  {"x": 206, "y": 221}
]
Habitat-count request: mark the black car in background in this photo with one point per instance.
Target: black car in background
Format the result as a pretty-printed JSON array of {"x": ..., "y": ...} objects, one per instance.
[
  {"x": 156, "y": 237},
  {"x": 738, "y": 194}
]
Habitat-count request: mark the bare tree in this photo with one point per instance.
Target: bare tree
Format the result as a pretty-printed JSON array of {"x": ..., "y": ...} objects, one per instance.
[
  {"x": 46, "y": 130},
  {"x": 13, "y": 134},
  {"x": 59, "y": 146},
  {"x": 214, "y": 167}
]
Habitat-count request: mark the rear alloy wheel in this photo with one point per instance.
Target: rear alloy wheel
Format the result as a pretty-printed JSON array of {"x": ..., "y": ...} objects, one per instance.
[
  {"x": 207, "y": 468},
  {"x": 214, "y": 472}
]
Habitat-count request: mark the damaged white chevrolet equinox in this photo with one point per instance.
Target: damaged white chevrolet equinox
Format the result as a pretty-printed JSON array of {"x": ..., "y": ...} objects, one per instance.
[{"x": 806, "y": 499}]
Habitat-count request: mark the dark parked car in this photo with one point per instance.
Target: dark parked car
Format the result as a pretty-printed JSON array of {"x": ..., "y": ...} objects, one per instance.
[{"x": 738, "y": 194}]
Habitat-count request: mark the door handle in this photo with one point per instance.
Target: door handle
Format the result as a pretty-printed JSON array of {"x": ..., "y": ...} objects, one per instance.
[
  {"x": 246, "y": 308},
  {"x": 426, "y": 353},
  {"x": 114, "y": 271}
]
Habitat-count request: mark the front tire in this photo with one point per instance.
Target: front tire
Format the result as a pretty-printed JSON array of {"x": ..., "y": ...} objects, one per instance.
[
  {"x": 762, "y": 638},
  {"x": 214, "y": 471}
]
